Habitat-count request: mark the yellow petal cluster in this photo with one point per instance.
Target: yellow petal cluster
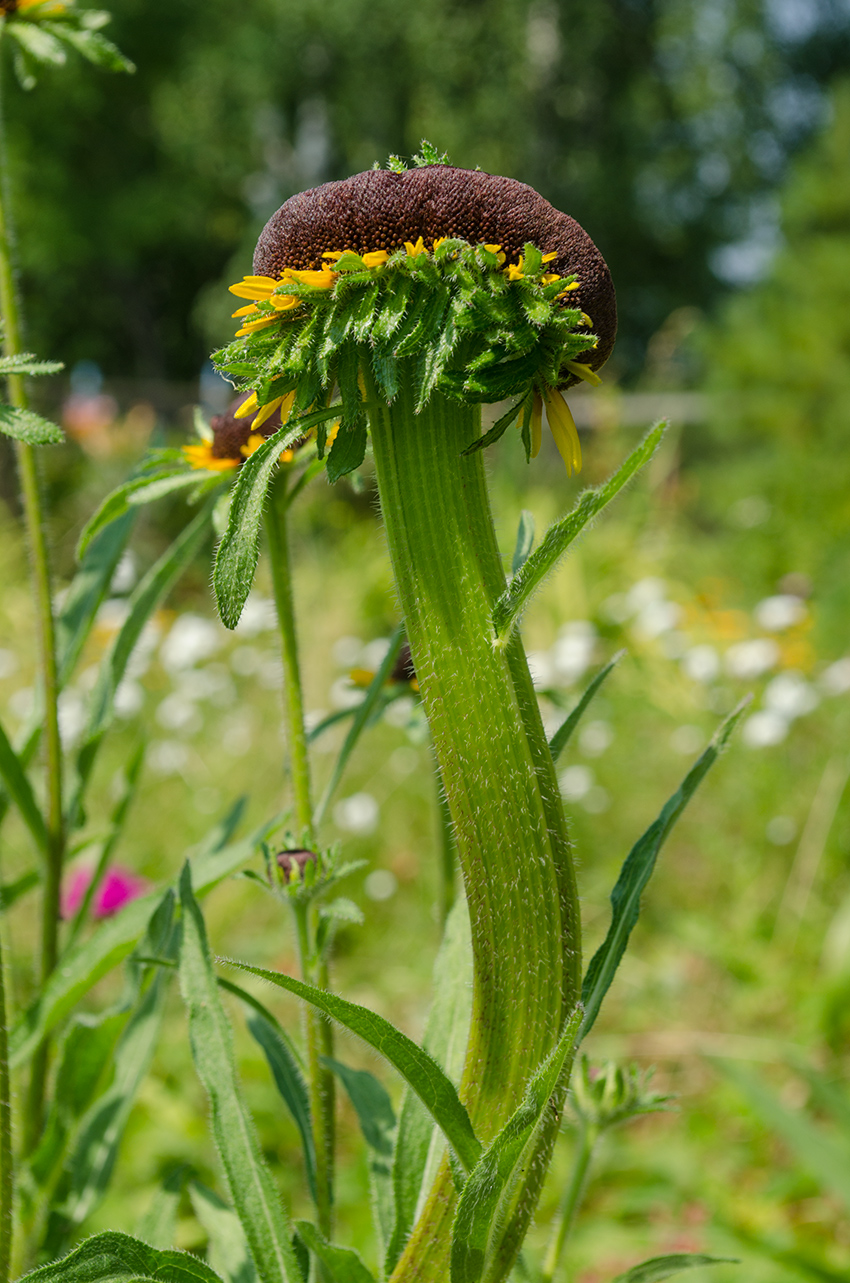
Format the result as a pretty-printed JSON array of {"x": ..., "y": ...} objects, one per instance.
[{"x": 201, "y": 457}]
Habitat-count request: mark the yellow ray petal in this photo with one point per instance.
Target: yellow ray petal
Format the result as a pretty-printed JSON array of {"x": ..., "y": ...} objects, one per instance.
[
  {"x": 584, "y": 372},
  {"x": 547, "y": 258},
  {"x": 323, "y": 279},
  {"x": 375, "y": 257},
  {"x": 563, "y": 428},
  {"x": 254, "y": 287},
  {"x": 266, "y": 412},
  {"x": 415, "y": 247},
  {"x": 248, "y": 310},
  {"x": 283, "y": 302},
  {"x": 202, "y": 458},
  {"x": 249, "y": 406},
  {"x": 514, "y": 271},
  {"x": 250, "y": 326}
]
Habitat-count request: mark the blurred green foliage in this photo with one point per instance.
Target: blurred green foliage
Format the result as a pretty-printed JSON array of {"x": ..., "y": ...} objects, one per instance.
[{"x": 663, "y": 126}]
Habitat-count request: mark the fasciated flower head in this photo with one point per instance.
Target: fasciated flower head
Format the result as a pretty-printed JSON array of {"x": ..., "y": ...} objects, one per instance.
[{"x": 474, "y": 281}]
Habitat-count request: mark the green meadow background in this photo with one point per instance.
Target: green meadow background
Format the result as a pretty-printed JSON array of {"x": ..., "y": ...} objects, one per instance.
[{"x": 705, "y": 148}]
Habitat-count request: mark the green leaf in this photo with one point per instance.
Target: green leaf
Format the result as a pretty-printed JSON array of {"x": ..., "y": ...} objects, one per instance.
[
  {"x": 497, "y": 431},
  {"x": 93, "y": 46},
  {"x": 113, "y": 1257},
  {"x": 361, "y": 717},
  {"x": 820, "y": 1152},
  {"x": 26, "y": 425},
  {"x": 493, "y": 1177},
  {"x": 635, "y": 874},
  {"x": 561, "y": 534},
  {"x": 341, "y": 1264},
  {"x": 348, "y": 450},
  {"x": 136, "y": 491},
  {"x": 661, "y": 1267},
  {"x": 378, "y": 1123},
  {"x": 419, "y": 1145},
  {"x": 238, "y": 552},
  {"x": 39, "y": 44},
  {"x": 158, "y": 1224},
  {"x": 524, "y": 541},
  {"x": 86, "y": 592},
  {"x": 565, "y": 731},
  {"x": 20, "y": 790},
  {"x": 252, "y": 1189},
  {"x": 28, "y": 363},
  {"x": 417, "y": 1068},
  {"x": 228, "y": 1251},
  {"x": 146, "y": 598},
  {"x": 286, "y": 1071},
  {"x": 12, "y": 891},
  {"x": 81, "y": 966}
]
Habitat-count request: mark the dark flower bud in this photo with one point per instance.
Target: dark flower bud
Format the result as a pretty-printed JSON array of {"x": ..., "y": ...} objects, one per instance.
[
  {"x": 295, "y": 859},
  {"x": 378, "y": 210}
]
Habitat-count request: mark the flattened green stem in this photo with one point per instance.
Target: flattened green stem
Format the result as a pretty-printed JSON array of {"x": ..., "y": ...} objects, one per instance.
[
  {"x": 571, "y": 1202},
  {"x": 40, "y": 566},
  {"x": 318, "y": 1032},
  {"x": 509, "y": 829},
  {"x": 7, "y": 1172},
  {"x": 446, "y": 854}
]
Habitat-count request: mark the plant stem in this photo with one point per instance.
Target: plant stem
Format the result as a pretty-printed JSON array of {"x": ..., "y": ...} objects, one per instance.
[
  {"x": 7, "y": 1173},
  {"x": 40, "y": 566},
  {"x": 319, "y": 1035},
  {"x": 446, "y": 853},
  {"x": 571, "y": 1202},
  {"x": 509, "y": 828}
]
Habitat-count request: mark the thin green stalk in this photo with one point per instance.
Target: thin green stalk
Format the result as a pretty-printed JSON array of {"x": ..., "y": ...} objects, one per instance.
[
  {"x": 570, "y": 1203},
  {"x": 510, "y": 833},
  {"x": 319, "y": 1035},
  {"x": 40, "y": 566},
  {"x": 7, "y": 1171}
]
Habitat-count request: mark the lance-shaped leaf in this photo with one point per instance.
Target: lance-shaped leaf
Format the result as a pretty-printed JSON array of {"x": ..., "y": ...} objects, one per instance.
[
  {"x": 143, "y": 490},
  {"x": 158, "y": 1223},
  {"x": 12, "y": 891},
  {"x": 228, "y": 1251},
  {"x": 20, "y": 790},
  {"x": 26, "y": 425},
  {"x": 661, "y": 1267},
  {"x": 84, "y": 964},
  {"x": 87, "y": 590},
  {"x": 361, "y": 717},
  {"x": 252, "y": 1189},
  {"x": 283, "y": 1061},
  {"x": 493, "y": 1177},
  {"x": 524, "y": 541},
  {"x": 93, "y": 46},
  {"x": 28, "y": 363},
  {"x": 565, "y": 731},
  {"x": 635, "y": 874},
  {"x": 419, "y": 1143},
  {"x": 497, "y": 431},
  {"x": 239, "y": 550},
  {"x": 113, "y": 1257},
  {"x": 561, "y": 534},
  {"x": 340, "y": 1264},
  {"x": 419, "y": 1070},
  {"x": 378, "y": 1124},
  {"x": 147, "y": 596}
]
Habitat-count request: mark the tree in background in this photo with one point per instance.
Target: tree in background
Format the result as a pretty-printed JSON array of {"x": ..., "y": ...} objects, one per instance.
[{"x": 663, "y": 126}]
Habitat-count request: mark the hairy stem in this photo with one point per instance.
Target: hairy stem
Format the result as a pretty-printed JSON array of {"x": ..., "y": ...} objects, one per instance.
[
  {"x": 319, "y": 1035},
  {"x": 570, "y": 1203},
  {"x": 445, "y": 854},
  {"x": 40, "y": 567},
  {"x": 510, "y": 835}
]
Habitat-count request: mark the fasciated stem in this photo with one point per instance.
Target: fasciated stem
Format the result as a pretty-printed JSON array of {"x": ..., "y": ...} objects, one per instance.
[
  {"x": 318, "y": 1032},
  {"x": 446, "y": 861},
  {"x": 510, "y": 833},
  {"x": 571, "y": 1202},
  {"x": 40, "y": 566}
]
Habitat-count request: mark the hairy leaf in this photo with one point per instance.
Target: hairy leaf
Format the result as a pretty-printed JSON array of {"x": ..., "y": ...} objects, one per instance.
[
  {"x": 561, "y": 534},
  {"x": 28, "y": 363},
  {"x": 20, "y": 790},
  {"x": 661, "y": 1267},
  {"x": 228, "y": 1251},
  {"x": 635, "y": 874},
  {"x": 565, "y": 731},
  {"x": 417, "y": 1068},
  {"x": 524, "y": 541},
  {"x": 26, "y": 425},
  {"x": 87, "y": 590},
  {"x": 113, "y": 1257},
  {"x": 341, "y": 1264}
]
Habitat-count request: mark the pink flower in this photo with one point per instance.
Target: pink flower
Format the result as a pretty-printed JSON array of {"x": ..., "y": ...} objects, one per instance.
[{"x": 118, "y": 887}]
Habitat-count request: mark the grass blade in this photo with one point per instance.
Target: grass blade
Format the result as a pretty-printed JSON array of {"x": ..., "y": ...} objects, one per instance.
[
  {"x": 661, "y": 1267},
  {"x": 419, "y": 1070},
  {"x": 20, "y": 791},
  {"x": 228, "y": 1250},
  {"x": 340, "y": 1264},
  {"x": 252, "y": 1189},
  {"x": 824, "y": 1157},
  {"x": 561, "y": 534},
  {"x": 361, "y": 717},
  {"x": 113, "y": 1257},
  {"x": 493, "y": 1175},
  {"x": 419, "y": 1143},
  {"x": 565, "y": 731},
  {"x": 635, "y": 874}
]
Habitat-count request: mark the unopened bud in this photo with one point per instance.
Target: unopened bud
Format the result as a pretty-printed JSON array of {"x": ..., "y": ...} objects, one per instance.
[{"x": 290, "y": 861}]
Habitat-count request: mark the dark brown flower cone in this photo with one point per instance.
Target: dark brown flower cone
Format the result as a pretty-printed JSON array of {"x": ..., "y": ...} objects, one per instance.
[
  {"x": 231, "y": 434},
  {"x": 381, "y": 210}
]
